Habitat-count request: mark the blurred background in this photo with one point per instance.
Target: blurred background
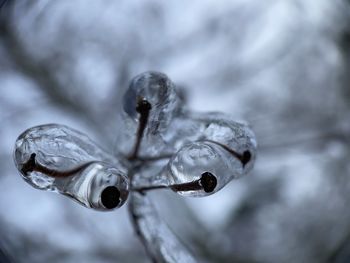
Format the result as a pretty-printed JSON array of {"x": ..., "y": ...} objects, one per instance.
[{"x": 283, "y": 66}]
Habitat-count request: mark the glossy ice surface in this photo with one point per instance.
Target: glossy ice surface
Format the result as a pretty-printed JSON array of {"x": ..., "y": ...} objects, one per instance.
[
  {"x": 62, "y": 151},
  {"x": 196, "y": 142},
  {"x": 180, "y": 147},
  {"x": 160, "y": 92}
]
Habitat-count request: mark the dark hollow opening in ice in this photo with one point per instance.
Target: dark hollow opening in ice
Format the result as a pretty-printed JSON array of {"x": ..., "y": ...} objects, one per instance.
[
  {"x": 143, "y": 106},
  {"x": 208, "y": 182},
  {"x": 110, "y": 197}
]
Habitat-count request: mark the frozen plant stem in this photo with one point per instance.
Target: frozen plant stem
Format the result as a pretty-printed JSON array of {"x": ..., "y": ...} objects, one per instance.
[
  {"x": 207, "y": 182},
  {"x": 143, "y": 107},
  {"x": 159, "y": 241},
  {"x": 244, "y": 158},
  {"x": 33, "y": 166},
  {"x": 143, "y": 213}
]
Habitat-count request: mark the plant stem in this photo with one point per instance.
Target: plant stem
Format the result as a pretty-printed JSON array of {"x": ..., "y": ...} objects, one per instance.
[
  {"x": 33, "y": 166},
  {"x": 244, "y": 157},
  {"x": 207, "y": 183},
  {"x": 143, "y": 107}
]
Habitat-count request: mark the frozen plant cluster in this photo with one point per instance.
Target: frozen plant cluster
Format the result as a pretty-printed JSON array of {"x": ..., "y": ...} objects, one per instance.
[{"x": 161, "y": 144}]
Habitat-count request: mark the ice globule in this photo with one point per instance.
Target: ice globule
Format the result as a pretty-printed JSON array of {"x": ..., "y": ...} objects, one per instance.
[
  {"x": 199, "y": 160},
  {"x": 159, "y": 91},
  {"x": 235, "y": 137},
  {"x": 222, "y": 150},
  {"x": 57, "y": 158},
  {"x": 219, "y": 127}
]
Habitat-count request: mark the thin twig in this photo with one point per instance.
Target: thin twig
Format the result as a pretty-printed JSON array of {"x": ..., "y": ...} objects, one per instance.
[
  {"x": 44, "y": 76},
  {"x": 33, "y": 166},
  {"x": 207, "y": 183},
  {"x": 143, "y": 107},
  {"x": 244, "y": 157}
]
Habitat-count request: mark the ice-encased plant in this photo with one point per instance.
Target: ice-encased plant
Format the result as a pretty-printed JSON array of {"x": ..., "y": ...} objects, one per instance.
[{"x": 160, "y": 144}]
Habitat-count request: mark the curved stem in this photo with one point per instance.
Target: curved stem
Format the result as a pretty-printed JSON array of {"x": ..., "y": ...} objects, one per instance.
[
  {"x": 143, "y": 107},
  {"x": 33, "y": 166},
  {"x": 244, "y": 157},
  {"x": 207, "y": 183},
  {"x": 160, "y": 243}
]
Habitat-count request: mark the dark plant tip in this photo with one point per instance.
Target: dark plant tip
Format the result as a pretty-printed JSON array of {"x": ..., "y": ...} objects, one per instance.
[
  {"x": 208, "y": 182},
  {"x": 143, "y": 106},
  {"x": 110, "y": 197},
  {"x": 246, "y": 157}
]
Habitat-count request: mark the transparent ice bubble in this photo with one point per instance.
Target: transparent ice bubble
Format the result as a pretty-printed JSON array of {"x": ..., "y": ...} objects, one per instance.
[
  {"x": 217, "y": 127},
  {"x": 151, "y": 144},
  {"x": 234, "y": 136},
  {"x": 224, "y": 150},
  {"x": 57, "y": 158},
  {"x": 199, "y": 159},
  {"x": 159, "y": 91},
  {"x": 182, "y": 130}
]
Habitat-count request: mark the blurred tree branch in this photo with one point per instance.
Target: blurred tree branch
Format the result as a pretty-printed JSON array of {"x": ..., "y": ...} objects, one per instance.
[{"x": 43, "y": 75}]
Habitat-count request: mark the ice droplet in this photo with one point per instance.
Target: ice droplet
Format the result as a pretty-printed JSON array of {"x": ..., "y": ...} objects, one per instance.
[
  {"x": 224, "y": 148},
  {"x": 57, "y": 158},
  {"x": 194, "y": 160},
  {"x": 157, "y": 89},
  {"x": 218, "y": 127},
  {"x": 235, "y": 136}
]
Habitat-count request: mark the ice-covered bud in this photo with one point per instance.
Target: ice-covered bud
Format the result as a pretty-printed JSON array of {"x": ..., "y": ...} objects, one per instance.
[
  {"x": 235, "y": 137},
  {"x": 149, "y": 106},
  {"x": 217, "y": 127},
  {"x": 224, "y": 152},
  {"x": 57, "y": 158},
  {"x": 198, "y": 159},
  {"x": 159, "y": 91}
]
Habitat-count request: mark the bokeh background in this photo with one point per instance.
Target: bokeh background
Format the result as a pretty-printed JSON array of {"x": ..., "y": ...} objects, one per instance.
[{"x": 283, "y": 66}]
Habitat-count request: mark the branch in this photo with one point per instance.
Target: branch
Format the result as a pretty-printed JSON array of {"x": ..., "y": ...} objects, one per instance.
[
  {"x": 44, "y": 76},
  {"x": 159, "y": 241}
]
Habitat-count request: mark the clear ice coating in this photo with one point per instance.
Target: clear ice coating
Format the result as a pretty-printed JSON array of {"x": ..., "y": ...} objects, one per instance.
[
  {"x": 57, "y": 158},
  {"x": 222, "y": 148},
  {"x": 189, "y": 127},
  {"x": 206, "y": 150},
  {"x": 160, "y": 92},
  {"x": 161, "y": 242},
  {"x": 199, "y": 143}
]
